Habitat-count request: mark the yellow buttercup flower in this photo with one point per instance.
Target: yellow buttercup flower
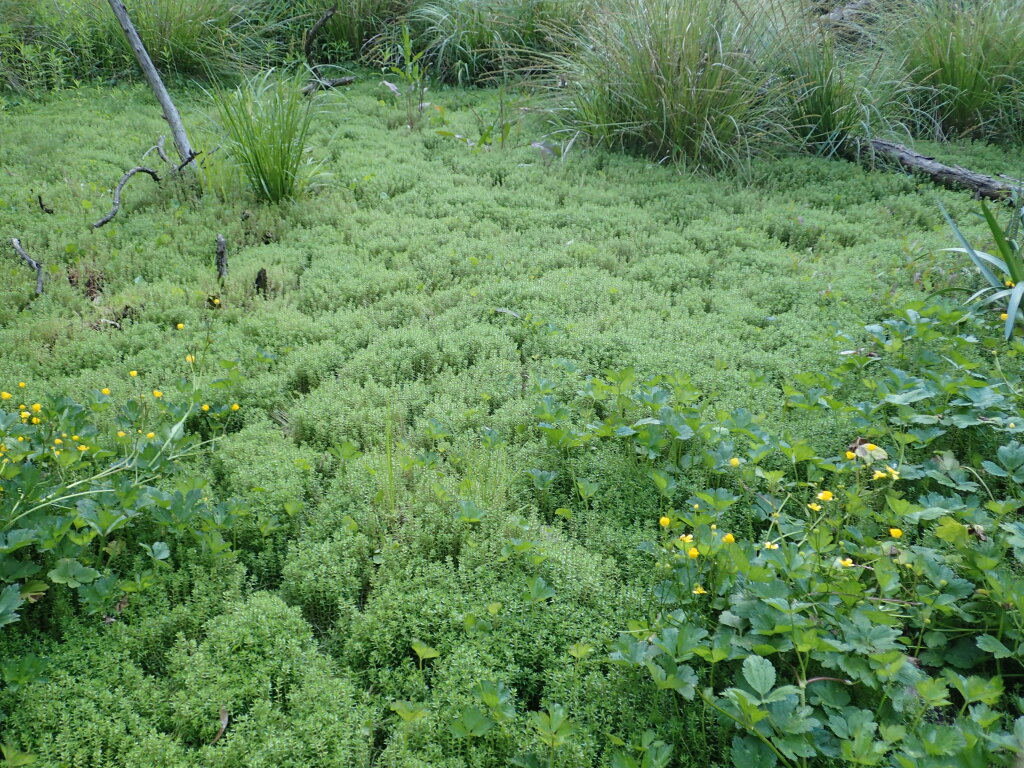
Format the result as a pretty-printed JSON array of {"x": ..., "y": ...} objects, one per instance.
[
  {"x": 25, "y": 414},
  {"x": 58, "y": 441},
  {"x": 180, "y": 326},
  {"x": 76, "y": 438},
  {"x": 825, "y": 496},
  {"x": 895, "y": 533},
  {"x": 850, "y": 455},
  {"x": 121, "y": 433},
  {"x": 1004, "y": 317},
  {"x": 699, "y": 590},
  {"x": 814, "y": 507},
  {"x": 36, "y": 420},
  {"x": 151, "y": 435},
  {"x": 770, "y": 545},
  {"x": 5, "y": 395},
  {"x": 879, "y": 475},
  {"x": 693, "y": 553},
  {"x": 133, "y": 374},
  {"x": 206, "y": 406},
  {"x": 664, "y": 521},
  {"x": 846, "y": 562},
  {"x": 235, "y": 406},
  {"x": 157, "y": 393},
  {"x": 83, "y": 447},
  {"x": 22, "y": 384},
  {"x": 36, "y": 407},
  {"x": 686, "y": 538},
  {"x": 189, "y": 359},
  {"x": 893, "y": 472},
  {"x": 728, "y": 538},
  {"x": 105, "y": 391},
  {"x": 734, "y": 462}
]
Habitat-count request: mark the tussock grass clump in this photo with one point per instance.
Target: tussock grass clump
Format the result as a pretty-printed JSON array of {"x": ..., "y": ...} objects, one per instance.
[
  {"x": 266, "y": 120},
  {"x": 968, "y": 55},
  {"x": 53, "y": 44},
  {"x": 671, "y": 80},
  {"x": 466, "y": 41},
  {"x": 836, "y": 98}
]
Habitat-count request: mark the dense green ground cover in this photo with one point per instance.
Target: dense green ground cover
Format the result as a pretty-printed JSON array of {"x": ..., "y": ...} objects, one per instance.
[{"x": 420, "y": 306}]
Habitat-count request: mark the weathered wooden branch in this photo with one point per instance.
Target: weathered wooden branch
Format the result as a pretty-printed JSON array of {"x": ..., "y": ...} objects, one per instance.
[
  {"x": 159, "y": 149},
  {"x": 952, "y": 176},
  {"x": 222, "y": 259},
  {"x": 846, "y": 13},
  {"x": 310, "y": 37},
  {"x": 322, "y": 84},
  {"x": 31, "y": 262},
  {"x": 43, "y": 206},
  {"x": 171, "y": 115},
  {"x": 117, "y": 192}
]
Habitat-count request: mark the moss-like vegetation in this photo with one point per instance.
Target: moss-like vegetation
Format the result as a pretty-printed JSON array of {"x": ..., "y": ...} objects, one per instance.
[{"x": 419, "y": 306}]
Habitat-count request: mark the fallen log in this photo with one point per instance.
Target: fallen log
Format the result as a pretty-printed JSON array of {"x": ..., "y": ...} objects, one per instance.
[
  {"x": 951, "y": 176},
  {"x": 846, "y": 13},
  {"x": 322, "y": 84},
  {"x": 31, "y": 262}
]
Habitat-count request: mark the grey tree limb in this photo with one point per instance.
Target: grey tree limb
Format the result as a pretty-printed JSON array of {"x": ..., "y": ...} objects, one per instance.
[
  {"x": 222, "y": 258},
  {"x": 31, "y": 262},
  {"x": 120, "y": 185},
  {"x": 952, "y": 176},
  {"x": 846, "y": 12},
  {"x": 171, "y": 115},
  {"x": 324, "y": 83}
]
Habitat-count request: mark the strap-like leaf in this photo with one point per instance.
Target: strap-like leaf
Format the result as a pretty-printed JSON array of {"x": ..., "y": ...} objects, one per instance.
[{"x": 985, "y": 271}]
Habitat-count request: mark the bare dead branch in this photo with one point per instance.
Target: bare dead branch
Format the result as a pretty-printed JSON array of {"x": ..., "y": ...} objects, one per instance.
[
  {"x": 120, "y": 185},
  {"x": 322, "y": 84},
  {"x": 223, "y": 725},
  {"x": 222, "y": 259},
  {"x": 159, "y": 149},
  {"x": 43, "y": 206},
  {"x": 192, "y": 155},
  {"x": 171, "y": 115},
  {"x": 847, "y": 12},
  {"x": 310, "y": 37},
  {"x": 31, "y": 262}
]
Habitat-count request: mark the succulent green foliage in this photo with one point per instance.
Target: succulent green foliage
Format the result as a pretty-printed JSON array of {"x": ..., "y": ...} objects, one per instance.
[{"x": 458, "y": 426}]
